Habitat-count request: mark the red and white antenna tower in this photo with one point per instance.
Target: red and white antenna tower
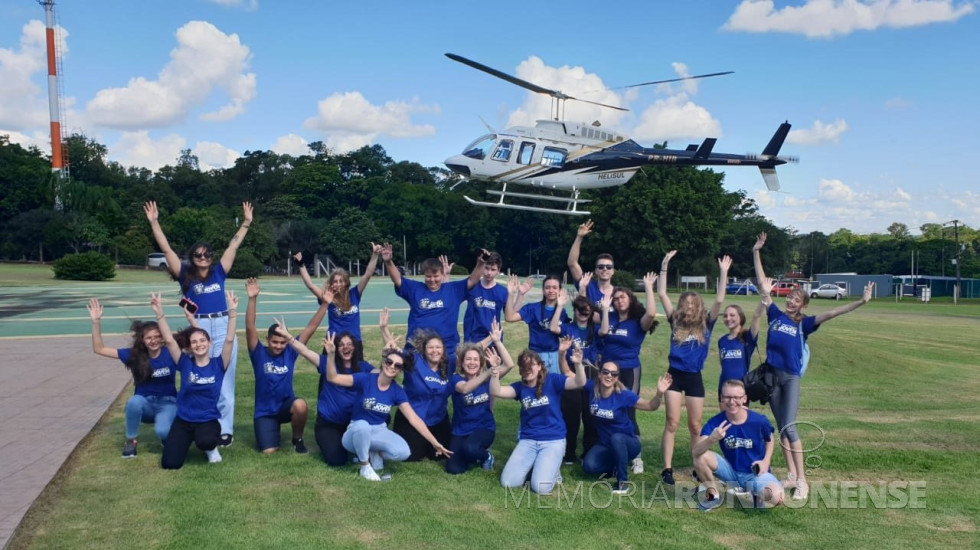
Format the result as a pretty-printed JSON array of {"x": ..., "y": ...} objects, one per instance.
[{"x": 59, "y": 155}]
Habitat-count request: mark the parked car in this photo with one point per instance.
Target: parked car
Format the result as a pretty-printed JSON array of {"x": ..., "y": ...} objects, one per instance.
[
  {"x": 156, "y": 259},
  {"x": 743, "y": 287},
  {"x": 827, "y": 291},
  {"x": 783, "y": 288}
]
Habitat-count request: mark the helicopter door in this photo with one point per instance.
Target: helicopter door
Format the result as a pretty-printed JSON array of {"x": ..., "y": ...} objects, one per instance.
[
  {"x": 527, "y": 151},
  {"x": 503, "y": 150},
  {"x": 553, "y": 156}
]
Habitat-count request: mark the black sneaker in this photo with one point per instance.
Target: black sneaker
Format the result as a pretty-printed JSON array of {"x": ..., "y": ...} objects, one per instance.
[
  {"x": 226, "y": 440},
  {"x": 694, "y": 475},
  {"x": 129, "y": 449},
  {"x": 622, "y": 488},
  {"x": 709, "y": 502},
  {"x": 667, "y": 475},
  {"x": 299, "y": 446}
]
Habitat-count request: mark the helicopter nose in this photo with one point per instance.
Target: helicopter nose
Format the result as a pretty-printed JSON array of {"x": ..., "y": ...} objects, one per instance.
[{"x": 453, "y": 164}]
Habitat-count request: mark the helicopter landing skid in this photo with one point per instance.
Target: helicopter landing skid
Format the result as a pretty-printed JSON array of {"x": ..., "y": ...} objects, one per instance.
[{"x": 570, "y": 209}]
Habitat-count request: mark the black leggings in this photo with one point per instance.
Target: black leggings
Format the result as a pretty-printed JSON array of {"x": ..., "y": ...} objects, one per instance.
[
  {"x": 328, "y": 436},
  {"x": 574, "y": 409},
  {"x": 419, "y": 446},
  {"x": 631, "y": 379},
  {"x": 182, "y": 434}
]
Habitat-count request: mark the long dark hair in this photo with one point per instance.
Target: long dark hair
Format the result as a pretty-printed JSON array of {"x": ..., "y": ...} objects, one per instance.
[
  {"x": 636, "y": 310},
  {"x": 419, "y": 340},
  {"x": 545, "y": 300},
  {"x": 524, "y": 362},
  {"x": 355, "y": 358},
  {"x": 581, "y": 302},
  {"x": 138, "y": 362},
  {"x": 191, "y": 276}
]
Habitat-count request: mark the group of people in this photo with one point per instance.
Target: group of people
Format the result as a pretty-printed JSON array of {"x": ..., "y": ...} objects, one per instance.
[{"x": 579, "y": 371}]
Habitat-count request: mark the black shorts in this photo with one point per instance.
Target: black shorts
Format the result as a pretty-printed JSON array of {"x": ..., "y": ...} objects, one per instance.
[
  {"x": 689, "y": 383},
  {"x": 267, "y": 427}
]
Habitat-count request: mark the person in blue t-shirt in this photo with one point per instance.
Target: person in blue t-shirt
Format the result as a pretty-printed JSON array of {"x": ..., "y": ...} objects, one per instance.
[
  {"x": 690, "y": 324},
  {"x": 203, "y": 282},
  {"x": 582, "y": 332},
  {"x": 542, "y": 428},
  {"x": 785, "y": 344},
  {"x": 154, "y": 399},
  {"x": 538, "y": 316},
  {"x": 735, "y": 349},
  {"x": 592, "y": 287},
  {"x": 746, "y": 442},
  {"x": 368, "y": 436},
  {"x": 434, "y": 304},
  {"x": 485, "y": 301},
  {"x": 273, "y": 365},
  {"x": 426, "y": 383},
  {"x": 335, "y": 403},
  {"x": 610, "y": 404},
  {"x": 201, "y": 376},
  {"x": 344, "y": 302},
  {"x": 474, "y": 428}
]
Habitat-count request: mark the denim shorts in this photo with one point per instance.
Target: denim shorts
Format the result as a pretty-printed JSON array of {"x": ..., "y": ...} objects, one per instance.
[{"x": 267, "y": 427}]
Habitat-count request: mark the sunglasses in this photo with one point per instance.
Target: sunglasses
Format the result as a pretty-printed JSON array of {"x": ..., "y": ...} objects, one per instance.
[
  {"x": 203, "y": 255},
  {"x": 607, "y": 372},
  {"x": 604, "y": 266},
  {"x": 392, "y": 363},
  {"x": 583, "y": 310},
  {"x": 732, "y": 397}
]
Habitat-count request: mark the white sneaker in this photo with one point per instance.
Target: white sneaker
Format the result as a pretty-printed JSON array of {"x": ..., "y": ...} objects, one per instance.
[
  {"x": 213, "y": 456},
  {"x": 368, "y": 473},
  {"x": 377, "y": 462},
  {"x": 637, "y": 465}
]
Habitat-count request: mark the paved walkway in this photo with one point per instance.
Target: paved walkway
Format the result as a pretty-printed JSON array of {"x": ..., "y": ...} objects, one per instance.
[{"x": 52, "y": 392}]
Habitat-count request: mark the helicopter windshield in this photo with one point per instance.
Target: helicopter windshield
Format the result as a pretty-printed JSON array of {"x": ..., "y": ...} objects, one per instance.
[{"x": 480, "y": 147}]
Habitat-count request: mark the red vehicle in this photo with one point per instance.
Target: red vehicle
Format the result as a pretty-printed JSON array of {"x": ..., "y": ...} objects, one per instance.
[{"x": 783, "y": 288}]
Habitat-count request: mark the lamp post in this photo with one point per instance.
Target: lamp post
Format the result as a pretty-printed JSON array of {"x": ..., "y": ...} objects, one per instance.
[{"x": 956, "y": 258}]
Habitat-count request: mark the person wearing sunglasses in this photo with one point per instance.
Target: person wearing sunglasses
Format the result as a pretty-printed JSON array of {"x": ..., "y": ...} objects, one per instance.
[
  {"x": 610, "y": 403},
  {"x": 746, "y": 441},
  {"x": 691, "y": 324},
  {"x": 203, "y": 282},
  {"x": 593, "y": 286}
]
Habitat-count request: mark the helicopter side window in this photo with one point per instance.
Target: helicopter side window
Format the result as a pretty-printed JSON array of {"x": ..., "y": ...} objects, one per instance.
[
  {"x": 502, "y": 153},
  {"x": 527, "y": 151},
  {"x": 552, "y": 156},
  {"x": 480, "y": 147}
]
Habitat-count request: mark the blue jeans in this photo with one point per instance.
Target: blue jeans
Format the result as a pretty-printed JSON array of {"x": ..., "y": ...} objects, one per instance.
[
  {"x": 541, "y": 458},
  {"x": 217, "y": 329},
  {"x": 468, "y": 450},
  {"x": 361, "y": 438},
  {"x": 550, "y": 360},
  {"x": 605, "y": 460},
  {"x": 747, "y": 480},
  {"x": 158, "y": 410}
]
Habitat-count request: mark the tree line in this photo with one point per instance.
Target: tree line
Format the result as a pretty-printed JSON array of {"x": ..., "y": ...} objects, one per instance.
[{"x": 328, "y": 203}]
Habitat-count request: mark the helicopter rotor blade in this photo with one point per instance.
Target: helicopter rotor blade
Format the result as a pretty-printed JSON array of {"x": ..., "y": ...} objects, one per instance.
[
  {"x": 672, "y": 80},
  {"x": 505, "y": 76},
  {"x": 597, "y": 103}
]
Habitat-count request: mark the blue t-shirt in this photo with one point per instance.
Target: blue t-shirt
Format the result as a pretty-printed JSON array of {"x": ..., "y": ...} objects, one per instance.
[
  {"x": 622, "y": 344},
  {"x": 471, "y": 411},
  {"x": 209, "y": 295},
  {"x": 483, "y": 306},
  {"x": 783, "y": 347},
  {"x": 611, "y": 414},
  {"x": 744, "y": 443},
  {"x": 438, "y": 311},
  {"x": 736, "y": 356},
  {"x": 162, "y": 383},
  {"x": 350, "y": 320},
  {"x": 689, "y": 356},
  {"x": 336, "y": 403},
  {"x": 580, "y": 337},
  {"x": 540, "y": 337},
  {"x": 197, "y": 400},
  {"x": 374, "y": 405},
  {"x": 541, "y": 418},
  {"x": 273, "y": 379},
  {"x": 427, "y": 391}
]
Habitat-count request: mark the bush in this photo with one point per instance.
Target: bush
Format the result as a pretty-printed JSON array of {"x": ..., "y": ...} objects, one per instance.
[
  {"x": 87, "y": 266},
  {"x": 246, "y": 265},
  {"x": 624, "y": 279}
]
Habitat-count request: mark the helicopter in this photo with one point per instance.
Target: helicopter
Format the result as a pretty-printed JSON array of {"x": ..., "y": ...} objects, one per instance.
[{"x": 567, "y": 157}]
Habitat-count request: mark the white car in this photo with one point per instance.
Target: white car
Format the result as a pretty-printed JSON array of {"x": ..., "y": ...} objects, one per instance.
[
  {"x": 827, "y": 291},
  {"x": 156, "y": 259}
]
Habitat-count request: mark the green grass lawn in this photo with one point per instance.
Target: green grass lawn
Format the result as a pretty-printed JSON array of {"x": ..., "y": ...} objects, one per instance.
[{"x": 891, "y": 392}]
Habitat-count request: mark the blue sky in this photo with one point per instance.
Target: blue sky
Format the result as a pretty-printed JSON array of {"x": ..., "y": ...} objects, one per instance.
[{"x": 881, "y": 93}]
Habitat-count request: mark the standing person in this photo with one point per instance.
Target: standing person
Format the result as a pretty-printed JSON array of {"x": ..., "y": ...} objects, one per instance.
[
  {"x": 474, "y": 428},
  {"x": 203, "y": 283},
  {"x": 601, "y": 284},
  {"x": 745, "y": 438},
  {"x": 610, "y": 403},
  {"x": 735, "y": 349},
  {"x": 485, "y": 301},
  {"x": 344, "y": 301},
  {"x": 582, "y": 332},
  {"x": 368, "y": 436},
  {"x": 200, "y": 387},
  {"x": 625, "y": 324},
  {"x": 690, "y": 324},
  {"x": 542, "y": 428},
  {"x": 785, "y": 347},
  {"x": 273, "y": 365},
  {"x": 538, "y": 317},
  {"x": 434, "y": 304},
  {"x": 154, "y": 373}
]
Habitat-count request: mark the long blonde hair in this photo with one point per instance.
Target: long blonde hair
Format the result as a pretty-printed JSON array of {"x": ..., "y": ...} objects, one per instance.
[
  {"x": 687, "y": 325},
  {"x": 341, "y": 300}
]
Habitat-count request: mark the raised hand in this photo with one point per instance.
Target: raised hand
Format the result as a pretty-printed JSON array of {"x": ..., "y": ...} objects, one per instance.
[
  {"x": 765, "y": 286},
  {"x": 384, "y": 317},
  {"x": 156, "y": 302},
  {"x": 719, "y": 433},
  {"x": 252, "y": 287},
  {"x": 232, "y": 299},
  {"x": 298, "y": 256},
  {"x": 328, "y": 344},
  {"x": 513, "y": 284},
  {"x": 150, "y": 208},
  {"x": 492, "y": 357},
  {"x": 527, "y": 285},
  {"x": 326, "y": 293},
  {"x": 585, "y": 228},
  {"x": 376, "y": 249},
  {"x": 759, "y": 241},
  {"x": 281, "y": 329},
  {"x": 94, "y": 309},
  {"x": 724, "y": 263},
  {"x": 447, "y": 267},
  {"x": 605, "y": 302},
  {"x": 562, "y": 298},
  {"x": 576, "y": 355},
  {"x": 583, "y": 283},
  {"x": 664, "y": 382},
  {"x": 868, "y": 289},
  {"x": 247, "y": 208},
  {"x": 496, "y": 333},
  {"x": 667, "y": 258},
  {"x": 386, "y": 252},
  {"x": 564, "y": 344},
  {"x": 649, "y": 279}
]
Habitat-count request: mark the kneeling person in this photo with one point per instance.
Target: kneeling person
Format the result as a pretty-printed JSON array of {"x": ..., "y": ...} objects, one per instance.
[{"x": 746, "y": 441}]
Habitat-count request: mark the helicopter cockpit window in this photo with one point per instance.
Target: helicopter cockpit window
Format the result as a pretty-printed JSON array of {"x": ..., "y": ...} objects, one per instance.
[
  {"x": 480, "y": 147},
  {"x": 527, "y": 151},
  {"x": 502, "y": 152},
  {"x": 552, "y": 156}
]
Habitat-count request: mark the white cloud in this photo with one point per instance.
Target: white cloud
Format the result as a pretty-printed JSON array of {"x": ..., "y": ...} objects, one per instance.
[
  {"x": 139, "y": 149},
  {"x": 829, "y": 18},
  {"x": 349, "y": 121},
  {"x": 41, "y": 140},
  {"x": 818, "y": 133},
  {"x": 901, "y": 194},
  {"x": 835, "y": 191},
  {"x": 764, "y": 198},
  {"x": 897, "y": 103},
  {"x": 205, "y": 60},
  {"x": 23, "y": 104},
  {"x": 291, "y": 144},
  {"x": 214, "y": 155},
  {"x": 676, "y": 117},
  {"x": 244, "y": 4}
]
